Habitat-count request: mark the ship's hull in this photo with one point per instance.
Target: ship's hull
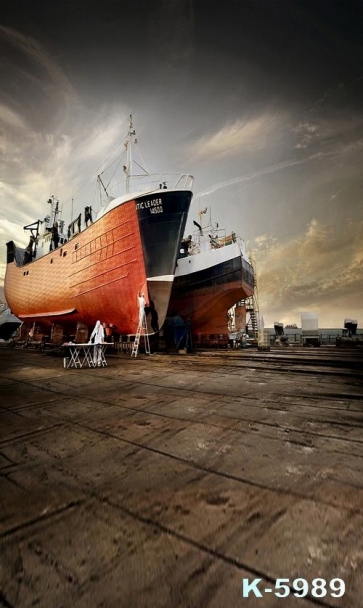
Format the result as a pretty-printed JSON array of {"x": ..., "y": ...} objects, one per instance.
[
  {"x": 99, "y": 273},
  {"x": 207, "y": 285}
]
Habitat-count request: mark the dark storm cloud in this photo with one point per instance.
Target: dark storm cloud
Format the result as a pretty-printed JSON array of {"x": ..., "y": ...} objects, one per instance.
[
  {"x": 171, "y": 41},
  {"x": 31, "y": 76}
]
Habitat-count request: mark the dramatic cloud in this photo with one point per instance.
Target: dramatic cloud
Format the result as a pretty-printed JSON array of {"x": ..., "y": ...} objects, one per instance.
[
  {"x": 10, "y": 119},
  {"x": 30, "y": 78},
  {"x": 272, "y": 169},
  {"x": 333, "y": 131},
  {"x": 242, "y": 136},
  {"x": 306, "y": 133},
  {"x": 50, "y": 144},
  {"x": 323, "y": 268},
  {"x": 58, "y": 162}
]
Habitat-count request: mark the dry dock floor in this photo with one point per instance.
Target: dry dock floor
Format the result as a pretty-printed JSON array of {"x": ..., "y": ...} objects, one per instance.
[{"x": 164, "y": 481}]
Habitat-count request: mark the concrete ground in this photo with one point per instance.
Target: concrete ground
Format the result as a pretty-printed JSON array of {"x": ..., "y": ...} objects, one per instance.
[{"x": 165, "y": 481}]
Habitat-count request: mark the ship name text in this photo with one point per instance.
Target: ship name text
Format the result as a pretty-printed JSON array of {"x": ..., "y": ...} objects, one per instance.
[{"x": 154, "y": 205}]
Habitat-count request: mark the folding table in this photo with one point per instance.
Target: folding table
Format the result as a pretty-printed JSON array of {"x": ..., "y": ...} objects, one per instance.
[{"x": 87, "y": 355}]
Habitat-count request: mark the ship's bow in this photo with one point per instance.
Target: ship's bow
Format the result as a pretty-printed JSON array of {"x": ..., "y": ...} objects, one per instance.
[{"x": 162, "y": 219}]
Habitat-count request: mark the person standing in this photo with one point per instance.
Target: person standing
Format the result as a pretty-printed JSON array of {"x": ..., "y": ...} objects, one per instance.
[
  {"x": 87, "y": 216},
  {"x": 99, "y": 337},
  {"x": 142, "y": 303},
  {"x": 55, "y": 237}
]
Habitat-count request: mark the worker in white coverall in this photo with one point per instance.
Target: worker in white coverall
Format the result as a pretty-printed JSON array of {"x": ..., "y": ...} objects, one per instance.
[
  {"x": 99, "y": 337},
  {"x": 142, "y": 303}
]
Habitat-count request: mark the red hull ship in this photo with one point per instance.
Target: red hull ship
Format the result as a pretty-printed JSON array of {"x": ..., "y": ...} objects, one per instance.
[{"x": 99, "y": 272}]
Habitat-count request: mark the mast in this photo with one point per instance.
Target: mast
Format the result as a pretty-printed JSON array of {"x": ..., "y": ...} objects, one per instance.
[
  {"x": 200, "y": 213},
  {"x": 54, "y": 209},
  {"x": 128, "y": 146}
]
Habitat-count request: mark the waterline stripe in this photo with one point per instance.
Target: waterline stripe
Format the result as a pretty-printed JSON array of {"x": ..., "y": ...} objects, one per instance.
[{"x": 164, "y": 277}]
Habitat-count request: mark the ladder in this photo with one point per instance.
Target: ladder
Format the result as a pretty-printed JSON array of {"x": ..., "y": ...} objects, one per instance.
[
  {"x": 251, "y": 306},
  {"x": 141, "y": 331}
]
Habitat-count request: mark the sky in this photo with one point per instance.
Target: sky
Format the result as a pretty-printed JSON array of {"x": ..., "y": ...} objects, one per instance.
[{"x": 261, "y": 100}]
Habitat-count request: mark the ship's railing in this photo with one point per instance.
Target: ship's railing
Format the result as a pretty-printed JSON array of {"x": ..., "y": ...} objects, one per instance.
[
  {"x": 153, "y": 181},
  {"x": 184, "y": 182},
  {"x": 210, "y": 238}
]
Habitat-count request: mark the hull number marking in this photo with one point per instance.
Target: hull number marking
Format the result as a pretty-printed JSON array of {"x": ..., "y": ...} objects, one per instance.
[{"x": 154, "y": 205}]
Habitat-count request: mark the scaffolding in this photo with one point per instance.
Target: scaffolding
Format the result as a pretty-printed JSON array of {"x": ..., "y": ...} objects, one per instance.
[{"x": 252, "y": 308}]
